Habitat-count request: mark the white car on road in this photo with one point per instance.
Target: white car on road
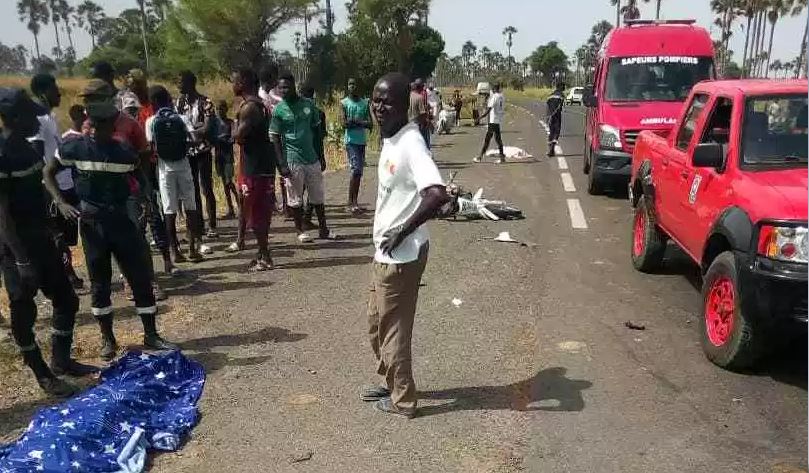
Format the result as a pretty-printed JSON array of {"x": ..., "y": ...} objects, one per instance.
[{"x": 575, "y": 96}]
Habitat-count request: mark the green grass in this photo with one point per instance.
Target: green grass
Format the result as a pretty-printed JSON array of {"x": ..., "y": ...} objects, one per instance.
[{"x": 536, "y": 93}]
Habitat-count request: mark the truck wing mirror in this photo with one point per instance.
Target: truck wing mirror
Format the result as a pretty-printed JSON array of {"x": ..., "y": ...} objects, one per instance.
[
  {"x": 588, "y": 97},
  {"x": 709, "y": 155}
]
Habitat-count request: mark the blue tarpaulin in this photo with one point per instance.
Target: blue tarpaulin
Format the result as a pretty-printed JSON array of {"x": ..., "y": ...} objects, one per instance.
[{"x": 143, "y": 401}]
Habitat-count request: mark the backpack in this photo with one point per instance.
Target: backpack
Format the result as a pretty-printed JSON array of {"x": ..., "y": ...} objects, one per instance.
[{"x": 170, "y": 135}]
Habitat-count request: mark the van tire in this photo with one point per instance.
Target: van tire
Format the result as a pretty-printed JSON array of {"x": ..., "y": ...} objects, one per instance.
[
  {"x": 594, "y": 184},
  {"x": 648, "y": 245},
  {"x": 741, "y": 343}
]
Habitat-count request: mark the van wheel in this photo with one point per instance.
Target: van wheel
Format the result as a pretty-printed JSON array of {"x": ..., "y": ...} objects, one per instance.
[
  {"x": 648, "y": 243},
  {"x": 594, "y": 185},
  {"x": 730, "y": 338}
]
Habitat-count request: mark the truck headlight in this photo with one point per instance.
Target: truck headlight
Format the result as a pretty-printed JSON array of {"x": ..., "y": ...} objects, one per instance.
[
  {"x": 609, "y": 137},
  {"x": 784, "y": 243}
]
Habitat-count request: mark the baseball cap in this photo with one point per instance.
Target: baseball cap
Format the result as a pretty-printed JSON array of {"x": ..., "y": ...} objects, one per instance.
[
  {"x": 14, "y": 101},
  {"x": 97, "y": 88},
  {"x": 102, "y": 109}
]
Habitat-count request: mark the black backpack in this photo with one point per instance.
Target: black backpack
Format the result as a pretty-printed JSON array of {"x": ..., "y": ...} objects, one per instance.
[{"x": 170, "y": 135}]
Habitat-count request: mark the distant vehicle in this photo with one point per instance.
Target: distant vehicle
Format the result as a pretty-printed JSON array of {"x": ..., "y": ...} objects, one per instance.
[
  {"x": 729, "y": 187},
  {"x": 644, "y": 71},
  {"x": 575, "y": 96}
]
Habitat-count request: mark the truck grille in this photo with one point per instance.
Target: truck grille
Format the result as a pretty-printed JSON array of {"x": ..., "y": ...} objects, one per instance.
[{"x": 631, "y": 137}]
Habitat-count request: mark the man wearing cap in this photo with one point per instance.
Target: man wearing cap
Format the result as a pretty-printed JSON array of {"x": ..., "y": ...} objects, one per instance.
[
  {"x": 103, "y": 165},
  {"x": 30, "y": 261},
  {"x": 127, "y": 130}
]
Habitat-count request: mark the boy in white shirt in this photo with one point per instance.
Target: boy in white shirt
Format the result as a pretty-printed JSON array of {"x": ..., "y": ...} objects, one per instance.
[{"x": 496, "y": 111}]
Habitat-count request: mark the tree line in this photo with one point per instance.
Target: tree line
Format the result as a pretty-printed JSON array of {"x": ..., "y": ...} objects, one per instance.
[{"x": 213, "y": 37}]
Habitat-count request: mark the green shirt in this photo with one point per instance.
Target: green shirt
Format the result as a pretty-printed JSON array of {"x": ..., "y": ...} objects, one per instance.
[
  {"x": 296, "y": 123},
  {"x": 356, "y": 110}
]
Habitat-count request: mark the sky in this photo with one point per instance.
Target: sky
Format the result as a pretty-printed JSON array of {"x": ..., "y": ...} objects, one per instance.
[{"x": 480, "y": 21}]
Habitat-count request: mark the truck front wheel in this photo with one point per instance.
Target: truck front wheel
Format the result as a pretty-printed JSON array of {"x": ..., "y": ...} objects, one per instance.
[
  {"x": 648, "y": 243},
  {"x": 730, "y": 338}
]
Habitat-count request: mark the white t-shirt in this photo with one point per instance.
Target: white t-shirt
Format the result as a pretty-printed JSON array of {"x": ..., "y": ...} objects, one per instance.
[
  {"x": 406, "y": 168},
  {"x": 51, "y": 139},
  {"x": 498, "y": 106},
  {"x": 180, "y": 165}
]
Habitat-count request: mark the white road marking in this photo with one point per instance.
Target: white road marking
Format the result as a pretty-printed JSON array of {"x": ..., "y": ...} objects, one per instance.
[
  {"x": 577, "y": 219},
  {"x": 562, "y": 162},
  {"x": 567, "y": 182}
]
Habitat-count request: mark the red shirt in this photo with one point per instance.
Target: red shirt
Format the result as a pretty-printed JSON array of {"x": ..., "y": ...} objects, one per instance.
[{"x": 146, "y": 112}]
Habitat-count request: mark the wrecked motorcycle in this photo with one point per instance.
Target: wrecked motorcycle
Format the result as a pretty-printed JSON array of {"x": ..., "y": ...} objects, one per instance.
[{"x": 474, "y": 206}]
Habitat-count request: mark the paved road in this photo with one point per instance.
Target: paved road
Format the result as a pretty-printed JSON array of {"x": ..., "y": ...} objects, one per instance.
[{"x": 533, "y": 371}]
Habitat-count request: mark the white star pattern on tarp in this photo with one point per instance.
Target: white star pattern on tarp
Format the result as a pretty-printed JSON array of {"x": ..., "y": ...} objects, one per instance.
[{"x": 142, "y": 402}]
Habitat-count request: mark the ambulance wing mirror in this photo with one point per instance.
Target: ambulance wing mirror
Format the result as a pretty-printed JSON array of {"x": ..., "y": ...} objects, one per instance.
[{"x": 588, "y": 97}]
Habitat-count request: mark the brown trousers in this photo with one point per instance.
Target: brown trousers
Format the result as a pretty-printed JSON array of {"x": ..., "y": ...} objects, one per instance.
[{"x": 391, "y": 312}]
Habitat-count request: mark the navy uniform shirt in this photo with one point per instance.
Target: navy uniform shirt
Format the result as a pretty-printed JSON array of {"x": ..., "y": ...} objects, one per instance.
[
  {"x": 102, "y": 170},
  {"x": 554, "y": 106},
  {"x": 21, "y": 180}
]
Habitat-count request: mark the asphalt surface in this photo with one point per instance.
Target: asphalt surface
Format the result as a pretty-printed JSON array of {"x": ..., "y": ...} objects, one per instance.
[{"x": 531, "y": 368}]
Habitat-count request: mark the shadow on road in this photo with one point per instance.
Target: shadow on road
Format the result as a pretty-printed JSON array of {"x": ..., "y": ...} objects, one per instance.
[
  {"x": 264, "y": 335},
  {"x": 326, "y": 262},
  {"x": 548, "y": 390}
]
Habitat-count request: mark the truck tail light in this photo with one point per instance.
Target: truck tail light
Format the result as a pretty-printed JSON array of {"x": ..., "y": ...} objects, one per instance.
[{"x": 784, "y": 243}]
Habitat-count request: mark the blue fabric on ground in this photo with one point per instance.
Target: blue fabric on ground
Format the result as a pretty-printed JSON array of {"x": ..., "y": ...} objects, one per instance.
[{"x": 142, "y": 402}]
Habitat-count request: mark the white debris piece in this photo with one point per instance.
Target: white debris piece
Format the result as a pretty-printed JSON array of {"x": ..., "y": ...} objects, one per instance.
[
  {"x": 511, "y": 152},
  {"x": 457, "y": 302}
]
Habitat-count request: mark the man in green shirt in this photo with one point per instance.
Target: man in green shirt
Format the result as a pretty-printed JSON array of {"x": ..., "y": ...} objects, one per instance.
[
  {"x": 294, "y": 123},
  {"x": 356, "y": 115}
]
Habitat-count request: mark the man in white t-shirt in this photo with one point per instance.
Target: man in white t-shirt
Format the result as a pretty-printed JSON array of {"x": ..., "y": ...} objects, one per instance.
[
  {"x": 410, "y": 192},
  {"x": 65, "y": 231},
  {"x": 495, "y": 111}
]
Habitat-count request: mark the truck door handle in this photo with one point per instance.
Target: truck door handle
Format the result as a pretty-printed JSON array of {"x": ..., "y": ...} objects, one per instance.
[{"x": 684, "y": 174}]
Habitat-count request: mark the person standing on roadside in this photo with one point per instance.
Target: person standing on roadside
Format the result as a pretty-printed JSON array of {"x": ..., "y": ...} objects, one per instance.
[
  {"x": 496, "y": 112},
  {"x": 457, "y": 104},
  {"x": 65, "y": 231},
  {"x": 29, "y": 258},
  {"x": 169, "y": 135},
  {"x": 257, "y": 164},
  {"x": 294, "y": 123},
  {"x": 103, "y": 165},
  {"x": 319, "y": 137},
  {"x": 410, "y": 193},
  {"x": 223, "y": 155},
  {"x": 199, "y": 110},
  {"x": 418, "y": 112},
  {"x": 269, "y": 94},
  {"x": 356, "y": 117},
  {"x": 553, "y": 108}
]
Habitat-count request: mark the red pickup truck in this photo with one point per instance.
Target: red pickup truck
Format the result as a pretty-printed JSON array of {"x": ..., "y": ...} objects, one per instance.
[{"x": 729, "y": 187}]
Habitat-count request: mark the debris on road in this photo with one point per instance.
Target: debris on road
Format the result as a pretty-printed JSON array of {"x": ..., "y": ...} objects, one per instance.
[
  {"x": 457, "y": 302},
  {"x": 302, "y": 457},
  {"x": 312, "y": 371},
  {"x": 505, "y": 237},
  {"x": 736, "y": 399},
  {"x": 633, "y": 326},
  {"x": 511, "y": 152}
]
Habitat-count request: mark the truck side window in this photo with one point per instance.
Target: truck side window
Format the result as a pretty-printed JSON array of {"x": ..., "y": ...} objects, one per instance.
[
  {"x": 717, "y": 128},
  {"x": 690, "y": 121}
]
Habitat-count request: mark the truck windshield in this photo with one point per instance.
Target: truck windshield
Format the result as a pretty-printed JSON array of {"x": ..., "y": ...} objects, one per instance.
[
  {"x": 775, "y": 130},
  {"x": 655, "y": 78}
]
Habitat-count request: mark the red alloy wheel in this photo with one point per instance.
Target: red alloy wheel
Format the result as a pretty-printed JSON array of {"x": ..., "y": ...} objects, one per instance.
[
  {"x": 720, "y": 307},
  {"x": 639, "y": 233}
]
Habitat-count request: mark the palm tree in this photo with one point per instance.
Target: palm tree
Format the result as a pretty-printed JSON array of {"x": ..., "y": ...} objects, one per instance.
[
  {"x": 630, "y": 11},
  {"x": 35, "y": 14},
  {"x": 797, "y": 10},
  {"x": 509, "y": 33},
  {"x": 726, "y": 11},
  {"x": 142, "y": 7},
  {"x": 88, "y": 16},
  {"x": 788, "y": 68},
  {"x": 778, "y": 8},
  {"x": 468, "y": 51},
  {"x": 617, "y": 5},
  {"x": 64, "y": 11},
  {"x": 657, "y": 12},
  {"x": 776, "y": 67},
  {"x": 54, "y": 8},
  {"x": 485, "y": 57}
]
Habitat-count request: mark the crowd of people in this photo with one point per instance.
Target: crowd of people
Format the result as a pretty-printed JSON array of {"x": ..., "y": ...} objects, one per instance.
[{"x": 135, "y": 158}]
